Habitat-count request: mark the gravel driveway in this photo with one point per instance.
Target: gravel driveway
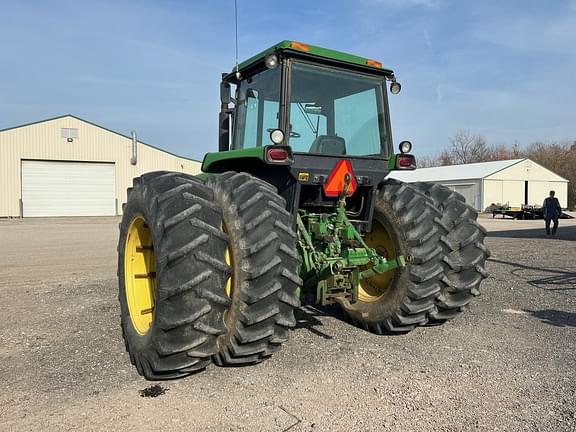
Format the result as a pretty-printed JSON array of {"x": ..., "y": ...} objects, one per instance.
[{"x": 507, "y": 364}]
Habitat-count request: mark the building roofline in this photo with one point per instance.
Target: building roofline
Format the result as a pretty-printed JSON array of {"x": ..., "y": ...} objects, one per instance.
[
  {"x": 481, "y": 163},
  {"x": 534, "y": 162},
  {"x": 456, "y": 173},
  {"x": 507, "y": 166},
  {"x": 468, "y": 172},
  {"x": 98, "y": 126}
]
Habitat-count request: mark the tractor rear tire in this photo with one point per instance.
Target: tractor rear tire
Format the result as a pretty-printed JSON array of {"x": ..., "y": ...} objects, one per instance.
[
  {"x": 398, "y": 302},
  {"x": 464, "y": 252},
  {"x": 264, "y": 262},
  {"x": 172, "y": 274}
]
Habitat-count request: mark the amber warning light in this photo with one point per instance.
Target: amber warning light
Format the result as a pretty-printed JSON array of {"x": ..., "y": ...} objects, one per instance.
[
  {"x": 300, "y": 46},
  {"x": 374, "y": 63}
]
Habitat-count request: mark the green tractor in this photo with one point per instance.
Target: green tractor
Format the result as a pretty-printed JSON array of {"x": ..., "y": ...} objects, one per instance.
[{"x": 298, "y": 202}]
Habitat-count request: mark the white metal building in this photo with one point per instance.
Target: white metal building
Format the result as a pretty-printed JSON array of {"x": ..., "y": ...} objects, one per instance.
[
  {"x": 513, "y": 182},
  {"x": 66, "y": 166}
]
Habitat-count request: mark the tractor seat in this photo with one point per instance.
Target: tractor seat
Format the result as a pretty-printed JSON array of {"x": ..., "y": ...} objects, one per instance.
[{"x": 328, "y": 144}]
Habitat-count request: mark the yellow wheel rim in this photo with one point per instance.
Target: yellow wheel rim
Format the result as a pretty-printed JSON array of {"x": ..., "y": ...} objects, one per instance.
[
  {"x": 140, "y": 275},
  {"x": 229, "y": 261},
  {"x": 373, "y": 289}
]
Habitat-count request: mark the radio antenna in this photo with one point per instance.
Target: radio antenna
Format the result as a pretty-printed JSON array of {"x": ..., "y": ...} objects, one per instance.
[{"x": 236, "y": 25}]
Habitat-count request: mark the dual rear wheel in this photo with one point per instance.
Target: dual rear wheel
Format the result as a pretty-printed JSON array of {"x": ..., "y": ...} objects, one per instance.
[
  {"x": 438, "y": 230},
  {"x": 208, "y": 271}
]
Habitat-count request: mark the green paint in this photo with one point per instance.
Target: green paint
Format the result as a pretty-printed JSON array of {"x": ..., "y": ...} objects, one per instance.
[
  {"x": 392, "y": 162},
  {"x": 358, "y": 256},
  {"x": 335, "y": 255},
  {"x": 382, "y": 267},
  {"x": 211, "y": 158},
  {"x": 202, "y": 176},
  {"x": 313, "y": 50}
]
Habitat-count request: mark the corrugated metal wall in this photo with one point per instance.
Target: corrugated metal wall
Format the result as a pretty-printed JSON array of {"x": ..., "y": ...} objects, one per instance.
[
  {"x": 512, "y": 192},
  {"x": 470, "y": 189},
  {"x": 44, "y": 141},
  {"x": 508, "y": 185}
]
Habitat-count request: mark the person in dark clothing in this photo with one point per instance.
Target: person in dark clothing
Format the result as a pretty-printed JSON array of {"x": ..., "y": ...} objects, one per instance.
[{"x": 552, "y": 211}]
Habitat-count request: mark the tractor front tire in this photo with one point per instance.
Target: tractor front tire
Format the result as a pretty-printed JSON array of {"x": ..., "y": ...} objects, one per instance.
[
  {"x": 464, "y": 252},
  {"x": 398, "y": 301},
  {"x": 172, "y": 274},
  {"x": 264, "y": 265}
]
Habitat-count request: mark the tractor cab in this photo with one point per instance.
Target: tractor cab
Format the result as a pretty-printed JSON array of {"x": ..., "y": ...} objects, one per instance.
[
  {"x": 306, "y": 108},
  {"x": 316, "y": 101}
]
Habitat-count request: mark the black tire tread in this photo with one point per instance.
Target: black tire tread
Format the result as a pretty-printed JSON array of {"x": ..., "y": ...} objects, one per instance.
[
  {"x": 464, "y": 252},
  {"x": 189, "y": 307},
  {"x": 266, "y": 262}
]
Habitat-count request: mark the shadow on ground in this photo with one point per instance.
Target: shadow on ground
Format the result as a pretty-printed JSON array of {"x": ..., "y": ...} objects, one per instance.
[
  {"x": 564, "y": 233},
  {"x": 555, "y": 317},
  {"x": 560, "y": 279},
  {"x": 551, "y": 279},
  {"x": 306, "y": 318}
]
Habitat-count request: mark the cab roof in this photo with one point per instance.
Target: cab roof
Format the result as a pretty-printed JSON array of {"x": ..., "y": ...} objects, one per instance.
[{"x": 299, "y": 48}]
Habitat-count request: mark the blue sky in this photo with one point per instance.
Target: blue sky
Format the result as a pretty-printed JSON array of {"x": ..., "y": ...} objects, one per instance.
[{"x": 505, "y": 69}]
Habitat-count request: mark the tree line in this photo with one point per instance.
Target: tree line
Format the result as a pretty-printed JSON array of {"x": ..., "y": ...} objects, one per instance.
[{"x": 466, "y": 147}]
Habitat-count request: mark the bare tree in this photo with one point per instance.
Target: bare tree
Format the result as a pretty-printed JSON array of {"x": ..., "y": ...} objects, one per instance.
[
  {"x": 466, "y": 147},
  {"x": 446, "y": 158},
  {"x": 516, "y": 152},
  {"x": 427, "y": 161}
]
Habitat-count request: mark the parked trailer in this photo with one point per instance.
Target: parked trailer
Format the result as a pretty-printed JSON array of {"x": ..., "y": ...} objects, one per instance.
[{"x": 524, "y": 212}]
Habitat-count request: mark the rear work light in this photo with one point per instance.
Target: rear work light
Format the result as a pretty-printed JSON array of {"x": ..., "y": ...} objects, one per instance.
[
  {"x": 281, "y": 155},
  {"x": 405, "y": 162}
]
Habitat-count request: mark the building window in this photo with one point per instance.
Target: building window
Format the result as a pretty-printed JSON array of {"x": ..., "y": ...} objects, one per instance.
[{"x": 69, "y": 133}]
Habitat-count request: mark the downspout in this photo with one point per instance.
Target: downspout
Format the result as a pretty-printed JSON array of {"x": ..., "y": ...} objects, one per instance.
[
  {"x": 134, "y": 157},
  {"x": 482, "y": 207}
]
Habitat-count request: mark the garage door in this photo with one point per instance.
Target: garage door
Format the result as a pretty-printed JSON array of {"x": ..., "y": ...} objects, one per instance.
[
  {"x": 52, "y": 188},
  {"x": 468, "y": 192}
]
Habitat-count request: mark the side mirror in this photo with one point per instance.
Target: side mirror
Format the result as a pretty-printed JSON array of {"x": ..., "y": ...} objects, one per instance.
[
  {"x": 224, "y": 117},
  {"x": 225, "y": 97}
]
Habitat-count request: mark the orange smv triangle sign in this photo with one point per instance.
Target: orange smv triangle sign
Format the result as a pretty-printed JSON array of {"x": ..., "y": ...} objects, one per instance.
[{"x": 335, "y": 183}]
